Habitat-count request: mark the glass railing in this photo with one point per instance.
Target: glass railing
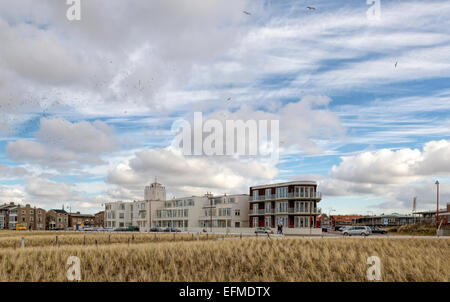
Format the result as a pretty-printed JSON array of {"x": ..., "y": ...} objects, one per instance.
[{"x": 307, "y": 195}]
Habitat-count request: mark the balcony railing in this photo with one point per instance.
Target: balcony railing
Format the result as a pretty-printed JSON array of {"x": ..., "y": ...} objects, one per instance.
[
  {"x": 284, "y": 211},
  {"x": 306, "y": 195}
]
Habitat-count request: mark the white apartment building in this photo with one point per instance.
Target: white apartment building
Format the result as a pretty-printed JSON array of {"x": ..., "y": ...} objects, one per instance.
[
  {"x": 136, "y": 213},
  {"x": 227, "y": 211}
]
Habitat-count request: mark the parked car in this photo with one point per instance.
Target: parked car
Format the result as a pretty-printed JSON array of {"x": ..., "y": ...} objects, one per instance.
[
  {"x": 356, "y": 230},
  {"x": 377, "y": 230},
  {"x": 156, "y": 229},
  {"x": 263, "y": 230},
  {"x": 340, "y": 228},
  {"x": 133, "y": 229},
  {"x": 120, "y": 229},
  {"x": 173, "y": 230}
]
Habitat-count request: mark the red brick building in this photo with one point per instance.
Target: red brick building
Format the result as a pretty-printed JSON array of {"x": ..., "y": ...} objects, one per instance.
[
  {"x": 99, "y": 219},
  {"x": 343, "y": 220},
  {"x": 293, "y": 204}
]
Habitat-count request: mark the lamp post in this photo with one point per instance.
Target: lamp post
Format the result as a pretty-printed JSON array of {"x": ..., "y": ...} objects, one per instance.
[{"x": 437, "y": 204}]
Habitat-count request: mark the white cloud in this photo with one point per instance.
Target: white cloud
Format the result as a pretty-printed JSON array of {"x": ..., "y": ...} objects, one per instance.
[
  {"x": 397, "y": 175},
  {"x": 187, "y": 175},
  {"x": 61, "y": 144}
]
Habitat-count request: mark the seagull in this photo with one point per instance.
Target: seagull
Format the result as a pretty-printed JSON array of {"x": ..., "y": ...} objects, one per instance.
[
  {"x": 396, "y": 64},
  {"x": 229, "y": 99},
  {"x": 247, "y": 13},
  {"x": 310, "y": 7}
]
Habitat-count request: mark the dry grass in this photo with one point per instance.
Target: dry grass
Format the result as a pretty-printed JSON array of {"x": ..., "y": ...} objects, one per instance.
[
  {"x": 45, "y": 239},
  {"x": 327, "y": 259}
]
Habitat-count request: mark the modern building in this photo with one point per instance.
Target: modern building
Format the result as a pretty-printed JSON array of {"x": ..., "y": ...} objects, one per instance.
[
  {"x": 57, "y": 219},
  {"x": 385, "y": 220},
  {"x": 137, "y": 213},
  {"x": 293, "y": 204},
  {"x": 227, "y": 211},
  {"x": 187, "y": 212},
  {"x": 155, "y": 191}
]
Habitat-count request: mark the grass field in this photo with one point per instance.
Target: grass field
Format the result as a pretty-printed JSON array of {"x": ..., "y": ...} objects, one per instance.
[{"x": 183, "y": 258}]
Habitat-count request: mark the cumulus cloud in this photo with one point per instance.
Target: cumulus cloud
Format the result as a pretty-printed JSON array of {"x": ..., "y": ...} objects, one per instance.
[
  {"x": 61, "y": 144},
  {"x": 398, "y": 175},
  {"x": 187, "y": 175}
]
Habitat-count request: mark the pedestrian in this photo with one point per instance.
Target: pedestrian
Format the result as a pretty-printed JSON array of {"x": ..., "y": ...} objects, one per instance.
[{"x": 281, "y": 228}]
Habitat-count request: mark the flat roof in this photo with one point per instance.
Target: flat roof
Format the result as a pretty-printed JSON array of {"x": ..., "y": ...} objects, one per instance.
[{"x": 282, "y": 184}]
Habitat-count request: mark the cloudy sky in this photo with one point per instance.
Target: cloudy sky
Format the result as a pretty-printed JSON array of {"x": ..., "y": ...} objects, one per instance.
[{"x": 87, "y": 107}]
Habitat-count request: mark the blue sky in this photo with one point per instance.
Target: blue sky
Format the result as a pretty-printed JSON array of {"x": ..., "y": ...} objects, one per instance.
[{"x": 87, "y": 106}]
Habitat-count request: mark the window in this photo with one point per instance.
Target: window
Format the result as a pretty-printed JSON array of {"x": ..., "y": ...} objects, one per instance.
[
  {"x": 23, "y": 212},
  {"x": 23, "y": 219},
  {"x": 282, "y": 192},
  {"x": 237, "y": 212},
  {"x": 121, "y": 215},
  {"x": 31, "y": 212}
]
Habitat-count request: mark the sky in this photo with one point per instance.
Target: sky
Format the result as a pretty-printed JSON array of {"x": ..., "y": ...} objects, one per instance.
[{"x": 87, "y": 107}]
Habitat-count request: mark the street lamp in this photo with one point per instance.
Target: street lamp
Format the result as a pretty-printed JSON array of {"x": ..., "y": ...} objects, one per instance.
[{"x": 437, "y": 205}]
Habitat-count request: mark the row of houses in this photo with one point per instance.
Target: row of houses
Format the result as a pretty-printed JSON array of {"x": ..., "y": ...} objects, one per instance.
[
  {"x": 291, "y": 204},
  {"x": 13, "y": 216}
]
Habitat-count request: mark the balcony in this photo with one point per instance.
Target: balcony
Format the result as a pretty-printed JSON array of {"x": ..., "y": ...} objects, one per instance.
[
  {"x": 284, "y": 211},
  {"x": 306, "y": 195}
]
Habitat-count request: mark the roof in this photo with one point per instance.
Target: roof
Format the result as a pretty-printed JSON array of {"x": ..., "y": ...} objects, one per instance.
[
  {"x": 81, "y": 215},
  {"x": 59, "y": 211},
  {"x": 282, "y": 184},
  {"x": 431, "y": 211}
]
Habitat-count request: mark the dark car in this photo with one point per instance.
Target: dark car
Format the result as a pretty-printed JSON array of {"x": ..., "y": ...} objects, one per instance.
[
  {"x": 376, "y": 230},
  {"x": 133, "y": 229},
  {"x": 156, "y": 229},
  {"x": 172, "y": 230},
  {"x": 120, "y": 229}
]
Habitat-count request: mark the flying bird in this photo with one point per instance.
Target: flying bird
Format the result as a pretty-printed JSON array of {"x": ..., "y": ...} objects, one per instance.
[
  {"x": 310, "y": 8},
  {"x": 396, "y": 64},
  {"x": 247, "y": 13},
  {"x": 229, "y": 99}
]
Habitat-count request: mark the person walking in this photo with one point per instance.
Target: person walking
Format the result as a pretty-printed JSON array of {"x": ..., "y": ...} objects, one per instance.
[{"x": 281, "y": 228}]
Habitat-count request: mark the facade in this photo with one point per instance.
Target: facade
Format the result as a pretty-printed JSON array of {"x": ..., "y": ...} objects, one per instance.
[
  {"x": 136, "y": 213},
  {"x": 227, "y": 211},
  {"x": 27, "y": 216},
  {"x": 293, "y": 204},
  {"x": 77, "y": 220},
  {"x": 186, "y": 212},
  {"x": 155, "y": 191},
  {"x": 343, "y": 220},
  {"x": 4, "y": 215},
  {"x": 430, "y": 216},
  {"x": 99, "y": 219},
  {"x": 323, "y": 221},
  {"x": 383, "y": 220},
  {"x": 57, "y": 219}
]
